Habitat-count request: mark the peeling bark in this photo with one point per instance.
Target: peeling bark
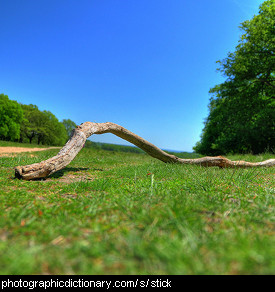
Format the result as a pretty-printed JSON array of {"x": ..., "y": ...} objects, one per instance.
[{"x": 85, "y": 130}]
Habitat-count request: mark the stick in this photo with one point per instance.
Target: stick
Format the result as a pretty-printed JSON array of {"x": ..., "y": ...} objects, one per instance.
[{"x": 85, "y": 130}]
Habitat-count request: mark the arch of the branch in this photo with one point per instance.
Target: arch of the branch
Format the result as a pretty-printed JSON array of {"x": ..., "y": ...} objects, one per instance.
[{"x": 85, "y": 130}]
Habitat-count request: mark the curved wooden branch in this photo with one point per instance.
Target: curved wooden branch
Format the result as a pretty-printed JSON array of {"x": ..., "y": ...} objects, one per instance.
[{"x": 85, "y": 130}]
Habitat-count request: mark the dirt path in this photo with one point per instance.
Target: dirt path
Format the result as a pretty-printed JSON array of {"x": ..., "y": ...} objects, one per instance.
[{"x": 5, "y": 151}]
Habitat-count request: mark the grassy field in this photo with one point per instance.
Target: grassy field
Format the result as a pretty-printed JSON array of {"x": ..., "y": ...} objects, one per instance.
[{"x": 126, "y": 213}]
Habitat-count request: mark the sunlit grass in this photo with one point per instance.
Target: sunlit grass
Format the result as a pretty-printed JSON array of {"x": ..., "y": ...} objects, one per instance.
[{"x": 122, "y": 213}]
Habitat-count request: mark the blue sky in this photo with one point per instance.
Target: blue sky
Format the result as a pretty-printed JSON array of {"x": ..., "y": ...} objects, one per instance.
[{"x": 144, "y": 64}]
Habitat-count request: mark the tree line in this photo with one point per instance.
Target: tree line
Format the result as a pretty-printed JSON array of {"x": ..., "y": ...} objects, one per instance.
[
  {"x": 26, "y": 123},
  {"x": 242, "y": 109}
]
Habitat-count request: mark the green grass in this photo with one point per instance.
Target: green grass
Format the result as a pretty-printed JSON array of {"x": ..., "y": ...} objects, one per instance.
[{"x": 126, "y": 213}]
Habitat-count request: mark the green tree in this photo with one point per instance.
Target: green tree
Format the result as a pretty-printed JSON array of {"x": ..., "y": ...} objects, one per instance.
[
  {"x": 242, "y": 109},
  {"x": 53, "y": 132},
  {"x": 42, "y": 126},
  {"x": 30, "y": 124},
  {"x": 11, "y": 116},
  {"x": 69, "y": 125}
]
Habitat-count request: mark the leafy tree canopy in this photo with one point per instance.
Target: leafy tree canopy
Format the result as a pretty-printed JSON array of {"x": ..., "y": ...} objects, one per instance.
[
  {"x": 43, "y": 126},
  {"x": 11, "y": 115},
  {"x": 242, "y": 109},
  {"x": 69, "y": 125},
  {"x": 21, "y": 122}
]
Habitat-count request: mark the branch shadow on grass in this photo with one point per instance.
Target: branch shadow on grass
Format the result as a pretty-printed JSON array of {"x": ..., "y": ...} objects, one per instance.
[
  {"x": 63, "y": 172},
  {"x": 60, "y": 173}
]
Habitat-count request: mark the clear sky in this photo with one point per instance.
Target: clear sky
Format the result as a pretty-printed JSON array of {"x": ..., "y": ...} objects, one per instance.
[{"x": 144, "y": 64}]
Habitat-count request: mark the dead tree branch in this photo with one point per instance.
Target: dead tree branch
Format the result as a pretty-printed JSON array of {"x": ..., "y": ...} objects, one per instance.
[{"x": 85, "y": 130}]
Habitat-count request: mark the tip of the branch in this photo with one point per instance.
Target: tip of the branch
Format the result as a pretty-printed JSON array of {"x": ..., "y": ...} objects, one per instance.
[{"x": 18, "y": 172}]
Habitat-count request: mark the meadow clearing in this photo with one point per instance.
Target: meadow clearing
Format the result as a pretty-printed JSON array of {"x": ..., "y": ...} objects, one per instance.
[{"x": 112, "y": 212}]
